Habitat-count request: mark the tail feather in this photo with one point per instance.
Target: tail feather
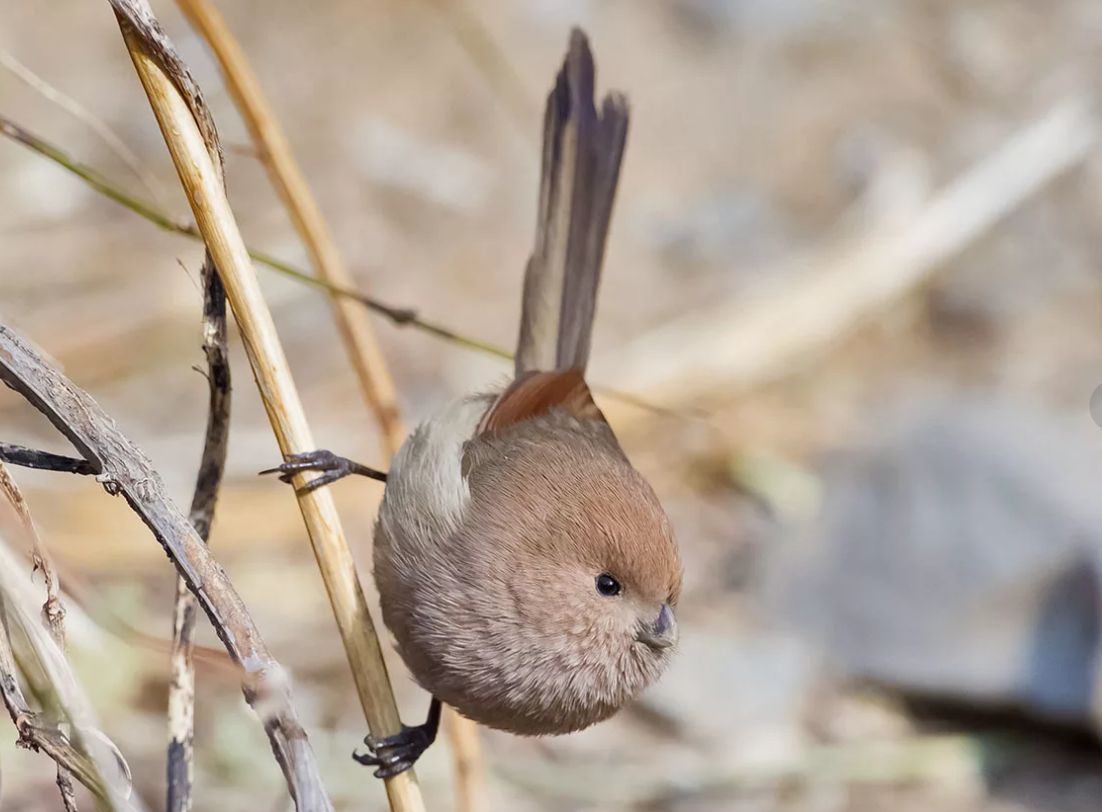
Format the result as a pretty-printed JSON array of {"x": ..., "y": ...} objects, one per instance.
[{"x": 582, "y": 153}]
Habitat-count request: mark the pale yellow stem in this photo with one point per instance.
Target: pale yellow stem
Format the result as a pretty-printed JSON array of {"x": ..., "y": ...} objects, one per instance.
[
  {"x": 374, "y": 378},
  {"x": 215, "y": 219},
  {"x": 274, "y": 151}
]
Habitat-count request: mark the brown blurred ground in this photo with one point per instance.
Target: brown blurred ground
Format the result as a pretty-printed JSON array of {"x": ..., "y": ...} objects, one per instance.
[{"x": 757, "y": 126}]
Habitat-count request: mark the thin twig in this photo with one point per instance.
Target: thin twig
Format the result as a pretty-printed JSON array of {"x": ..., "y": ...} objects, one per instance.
[
  {"x": 398, "y": 316},
  {"x": 184, "y": 122},
  {"x": 82, "y": 114},
  {"x": 181, "y": 697},
  {"x": 29, "y": 458},
  {"x": 122, "y": 468},
  {"x": 376, "y": 382},
  {"x": 53, "y": 611}
]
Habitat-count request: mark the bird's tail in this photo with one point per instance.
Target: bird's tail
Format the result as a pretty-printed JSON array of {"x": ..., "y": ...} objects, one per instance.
[{"x": 582, "y": 151}]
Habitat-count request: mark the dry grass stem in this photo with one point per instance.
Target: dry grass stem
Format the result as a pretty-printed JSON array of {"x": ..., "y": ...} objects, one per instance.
[
  {"x": 36, "y": 732},
  {"x": 58, "y": 686},
  {"x": 187, "y": 137},
  {"x": 735, "y": 345},
  {"x": 375, "y": 380},
  {"x": 53, "y": 611},
  {"x": 467, "y": 762},
  {"x": 376, "y": 383}
]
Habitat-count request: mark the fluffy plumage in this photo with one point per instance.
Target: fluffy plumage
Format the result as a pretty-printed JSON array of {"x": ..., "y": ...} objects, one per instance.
[{"x": 502, "y": 512}]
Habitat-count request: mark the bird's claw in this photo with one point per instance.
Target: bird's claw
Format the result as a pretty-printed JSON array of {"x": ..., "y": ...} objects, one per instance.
[
  {"x": 324, "y": 462},
  {"x": 395, "y": 754}
]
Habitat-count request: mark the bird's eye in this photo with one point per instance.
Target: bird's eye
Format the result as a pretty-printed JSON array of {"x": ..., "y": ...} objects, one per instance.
[{"x": 607, "y": 585}]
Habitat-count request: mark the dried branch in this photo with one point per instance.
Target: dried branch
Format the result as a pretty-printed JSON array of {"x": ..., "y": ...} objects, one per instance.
[
  {"x": 181, "y": 697},
  {"x": 29, "y": 458},
  {"x": 46, "y": 636},
  {"x": 82, "y": 114},
  {"x": 122, "y": 468},
  {"x": 35, "y": 732},
  {"x": 53, "y": 612},
  {"x": 183, "y": 119},
  {"x": 180, "y": 763},
  {"x": 376, "y": 382}
]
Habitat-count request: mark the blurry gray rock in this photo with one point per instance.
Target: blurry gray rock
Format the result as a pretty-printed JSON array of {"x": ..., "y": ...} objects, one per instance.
[
  {"x": 958, "y": 556},
  {"x": 745, "y": 686}
]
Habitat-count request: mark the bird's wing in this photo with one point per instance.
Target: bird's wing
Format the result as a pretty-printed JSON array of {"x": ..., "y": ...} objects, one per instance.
[{"x": 535, "y": 394}]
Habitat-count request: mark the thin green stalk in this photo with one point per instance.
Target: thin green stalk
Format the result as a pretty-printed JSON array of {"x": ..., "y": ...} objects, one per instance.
[
  {"x": 402, "y": 317},
  {"x": 399, "y": 316}
]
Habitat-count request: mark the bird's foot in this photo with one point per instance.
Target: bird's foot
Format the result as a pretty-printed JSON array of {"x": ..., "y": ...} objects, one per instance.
[
  {"x": 329, "y": 465},
  {"x": 396, "y": 754}
]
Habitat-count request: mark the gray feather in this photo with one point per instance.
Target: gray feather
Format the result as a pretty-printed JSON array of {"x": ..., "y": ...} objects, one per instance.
[{"x": 582, "y": 153}]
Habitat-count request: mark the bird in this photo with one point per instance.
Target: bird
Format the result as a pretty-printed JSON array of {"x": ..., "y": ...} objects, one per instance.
[{"x": 526, "y": 570}]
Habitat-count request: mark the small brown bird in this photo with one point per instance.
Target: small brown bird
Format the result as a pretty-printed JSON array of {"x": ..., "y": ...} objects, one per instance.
[{"x": 526, "y": 570}]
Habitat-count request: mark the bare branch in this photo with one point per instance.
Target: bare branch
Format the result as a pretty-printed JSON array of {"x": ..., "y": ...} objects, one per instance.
[
  {"x": 181, "y": 697},
  {"x": 122, "y": 468},
  {"x": 31, "y": 458}
]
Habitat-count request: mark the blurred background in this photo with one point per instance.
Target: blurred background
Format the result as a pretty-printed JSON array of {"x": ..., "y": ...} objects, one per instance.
[{"x": 855, "y": 260}]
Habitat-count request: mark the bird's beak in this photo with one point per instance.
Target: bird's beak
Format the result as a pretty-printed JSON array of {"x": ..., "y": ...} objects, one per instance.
[{"x": 662, "y": 633}]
